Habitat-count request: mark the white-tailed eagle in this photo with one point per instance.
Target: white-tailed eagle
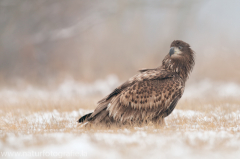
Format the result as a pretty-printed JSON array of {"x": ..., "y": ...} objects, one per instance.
[{"x": 149, "y": 96}]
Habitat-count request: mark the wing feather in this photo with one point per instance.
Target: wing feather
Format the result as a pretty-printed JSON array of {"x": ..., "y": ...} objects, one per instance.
[
  {"x": 146, "y": 99},
  {"x": 142, "y": 97},
  {"x": 171, "y": 107}
]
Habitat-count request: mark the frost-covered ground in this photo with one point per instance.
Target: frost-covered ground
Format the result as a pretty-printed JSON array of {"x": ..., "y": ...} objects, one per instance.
[
  {"x": 187, "y": 134},
  {"x": 41, "y": 123},
  {"x": 140, "y": 144}
]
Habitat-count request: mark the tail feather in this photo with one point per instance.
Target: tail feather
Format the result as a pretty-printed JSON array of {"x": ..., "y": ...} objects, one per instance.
[{"x": 83, "y": 118}]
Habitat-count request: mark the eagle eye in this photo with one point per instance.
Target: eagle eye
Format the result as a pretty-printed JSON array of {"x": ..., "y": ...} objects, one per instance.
[{"x": 180, "y": 47}]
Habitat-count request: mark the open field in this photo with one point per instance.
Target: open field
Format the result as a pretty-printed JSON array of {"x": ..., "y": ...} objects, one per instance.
[
  {"x": 199, "y": 127},
  {"x": 59, "y": 57}
]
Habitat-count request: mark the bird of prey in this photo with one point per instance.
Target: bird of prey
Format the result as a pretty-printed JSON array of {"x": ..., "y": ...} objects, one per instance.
[{"x": 149, "y": 96}]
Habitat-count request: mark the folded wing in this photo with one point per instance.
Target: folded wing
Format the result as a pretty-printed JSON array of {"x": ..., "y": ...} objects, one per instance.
[
  {"x": 146, "y": 96},
  {"x": 146, "y": 100}
]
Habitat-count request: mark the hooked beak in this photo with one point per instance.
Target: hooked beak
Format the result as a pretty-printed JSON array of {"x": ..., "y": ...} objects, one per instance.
[{"x": 171, "y": 52}]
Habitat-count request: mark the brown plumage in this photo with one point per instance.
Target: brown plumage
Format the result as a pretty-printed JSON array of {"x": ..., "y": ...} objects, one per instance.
[{"x": 149, "y": 96}]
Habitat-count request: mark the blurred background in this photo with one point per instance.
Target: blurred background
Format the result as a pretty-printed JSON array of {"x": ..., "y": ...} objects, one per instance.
[{"x": 43, "y": 42}]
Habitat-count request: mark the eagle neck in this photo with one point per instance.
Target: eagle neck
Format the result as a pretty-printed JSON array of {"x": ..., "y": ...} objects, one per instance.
[{"x": 181, "y": 69}]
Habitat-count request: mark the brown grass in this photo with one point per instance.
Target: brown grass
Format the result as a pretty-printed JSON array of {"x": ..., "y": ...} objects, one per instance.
[
  {"x": 16, "y": 117},
  {"x": 210, "y": 115}
]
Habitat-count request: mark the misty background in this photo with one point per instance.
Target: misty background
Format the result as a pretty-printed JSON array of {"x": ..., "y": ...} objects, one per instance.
[{"x": 43, "y": 42}]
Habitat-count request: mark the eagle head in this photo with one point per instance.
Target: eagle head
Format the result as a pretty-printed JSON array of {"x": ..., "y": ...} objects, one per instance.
[
  {"x": 180, "y": 58},
  {"x": 179, "y": 48}
]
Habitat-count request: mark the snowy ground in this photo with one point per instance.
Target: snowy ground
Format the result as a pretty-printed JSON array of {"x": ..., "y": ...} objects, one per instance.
[
  {"x": 193, "y": 138},
  {"x": 128, "y": 145},
  {"x": 40, "y": 123}
]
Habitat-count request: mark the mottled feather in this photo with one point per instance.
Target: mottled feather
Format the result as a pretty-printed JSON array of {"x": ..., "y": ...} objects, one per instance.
[{"x": 146, "y": 99}]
